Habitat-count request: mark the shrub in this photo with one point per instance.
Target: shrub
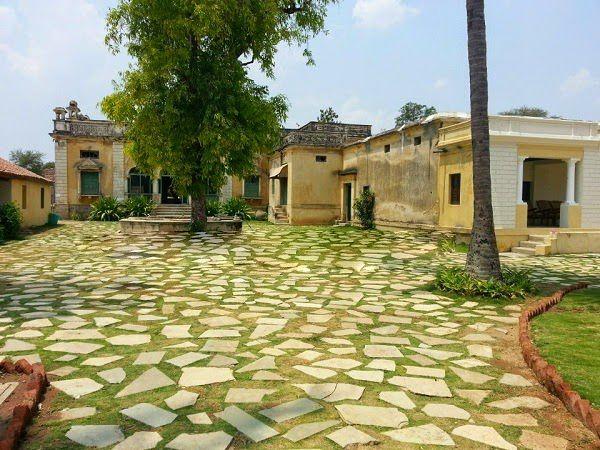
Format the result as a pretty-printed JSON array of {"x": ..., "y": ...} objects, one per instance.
[
  {"x": 213, "y": 208},
  {"x": 514, "y": 283},
  {"x": 10, "y": 220},
  {"x": 138, "y": 206},
  {"x": 106, "y": 209},
  {"x": 237, "y": 206},
  {"x": 1, "y": 234},
  {"x": 448, "y": 244},
  {"x": 364, "y": 206}
]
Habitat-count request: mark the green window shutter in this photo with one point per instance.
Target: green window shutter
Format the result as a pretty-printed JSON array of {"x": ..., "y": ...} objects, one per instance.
[
  {"x": 251, "y": 187},
  {"x": 90, "y": 183}
]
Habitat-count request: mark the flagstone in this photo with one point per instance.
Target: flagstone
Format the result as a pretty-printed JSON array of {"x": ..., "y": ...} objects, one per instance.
[
  {"x": 15, "y": 345},
  {"x": 182, "y": 399},
  {"x": 515, "y": 420},
  {"x": 220, "y": 346},
  {"x": 150, "y": 380},
  {"x": 484, "y": 435},
  {"x": 199, "y": 419},
  {"x": 95, "y": 435},
  {"x": 265, "y": 375},
  {"x": 77, "y": 387},
  {"x": 374, "y": 376},
  {"x": 474, "y": 395},
  {"x": 349, "y": 435},
  {"x": 149, "y": 358},
  {"x": 372, "y": 415},
  {"x": 338, "y": 363},
  {"x": 445, "y": 410},
  {"x": 201, "y": 376},
  {"x": 290, "y": 410},
  {"x": 397, "y": 398},
  {"x": 256, "y": 430},
  {"x": 150, "y": 415},
  {"x": 520, "y": 402},
  {"x": 176, "y": 331},
  {"x": 382, "y": 351},
  {"x": 244, "y": 395},
  {"x": 76, "y": 413},
  {"x": 512, "y": 379},
  {"x": 187, "y": 359},
  {"x": 216, "y": 440},
  {"x": 113, "y": 376},
  {"x": 264, "y": 363},
  {"x": 469, "y": 376},
  {"x": 423, "y": 386},
  {"x": 538, "y": 441},
  {"x": 129, "y": 339},
  {"x": 141, "y": 440},
  {"x": 428, "y": 434},
  {"x": 316, "y": 372},
  {"x": 425, "y": 371}
]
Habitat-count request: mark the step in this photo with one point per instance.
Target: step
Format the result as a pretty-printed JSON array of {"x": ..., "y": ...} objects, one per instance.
[
  {"x": 539, "y": 238},
  {"x": 524, "y": 251},
  {"x": 531, "y": 244}
]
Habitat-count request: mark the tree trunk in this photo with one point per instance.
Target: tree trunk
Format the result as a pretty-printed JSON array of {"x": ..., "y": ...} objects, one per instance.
[
  {"x": 482, "y": 260},
  {"x": 199, "y": 211}
]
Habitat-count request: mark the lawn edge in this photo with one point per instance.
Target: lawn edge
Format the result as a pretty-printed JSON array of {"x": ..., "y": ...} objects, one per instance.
[{"x": 547, "y": 374}]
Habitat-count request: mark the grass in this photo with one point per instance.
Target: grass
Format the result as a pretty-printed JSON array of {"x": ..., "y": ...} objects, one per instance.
[{"x": 567, "y": 337}]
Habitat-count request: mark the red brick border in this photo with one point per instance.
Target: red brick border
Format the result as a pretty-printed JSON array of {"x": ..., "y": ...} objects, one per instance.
[
  {"x": 24, "y": 411},
  {"x": 546, "y": 373}
]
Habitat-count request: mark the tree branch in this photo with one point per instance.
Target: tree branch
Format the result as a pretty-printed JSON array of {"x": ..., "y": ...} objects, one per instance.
[{"x": 293, "y": 8}]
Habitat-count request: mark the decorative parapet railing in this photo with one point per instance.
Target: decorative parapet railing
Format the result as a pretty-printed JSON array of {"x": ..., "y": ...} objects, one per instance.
[
  {"x": 87, "y": 128},
  {"x": 326, "y": 134}
]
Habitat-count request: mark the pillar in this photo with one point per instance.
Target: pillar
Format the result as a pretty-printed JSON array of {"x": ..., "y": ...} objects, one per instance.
[
  {"x": 118, "y": 171},
  {"x": 570, "y": 211},
  {"x": 520, "y": 168},
  {"x": 570, "y": 197}
]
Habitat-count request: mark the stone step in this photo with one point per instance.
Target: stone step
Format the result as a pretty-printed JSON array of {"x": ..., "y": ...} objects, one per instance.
[
  {"x": 539, "y": 238},
  {"x": 524, "y": 250},
  {"x": 531, "y": 244}
]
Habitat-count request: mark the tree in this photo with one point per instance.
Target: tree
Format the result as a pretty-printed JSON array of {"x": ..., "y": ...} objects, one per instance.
[
  {"x": 328, "y": 116},
  {"x": 413, "y": 112},
  {"x": 187, "y": 102},
  {"x": 531, "y": 111},
  {"x": 29, "y": 159},
  {"x": 482, "y": 260}
]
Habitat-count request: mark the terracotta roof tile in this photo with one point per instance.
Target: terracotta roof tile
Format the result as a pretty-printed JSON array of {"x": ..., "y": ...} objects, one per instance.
[{"x": 10, "y": 170}]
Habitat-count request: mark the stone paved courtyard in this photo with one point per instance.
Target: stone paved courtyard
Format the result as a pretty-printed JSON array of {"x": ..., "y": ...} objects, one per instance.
[{"x": 280, "y": 337}]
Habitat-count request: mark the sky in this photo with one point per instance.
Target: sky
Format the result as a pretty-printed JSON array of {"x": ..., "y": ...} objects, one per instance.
[{"x": 376, "y": 56}]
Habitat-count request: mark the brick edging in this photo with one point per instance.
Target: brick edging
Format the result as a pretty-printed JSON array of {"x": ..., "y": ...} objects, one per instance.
[
  {"x": 546, "y": 373},
  {"x": 24, "y": 411}
]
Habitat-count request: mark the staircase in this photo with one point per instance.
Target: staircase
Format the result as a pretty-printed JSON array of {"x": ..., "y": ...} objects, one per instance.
[
  {"x": 280, "y": 214},
  {"x": 535, "y": 245},
  {"x": 172, "y": 211}
]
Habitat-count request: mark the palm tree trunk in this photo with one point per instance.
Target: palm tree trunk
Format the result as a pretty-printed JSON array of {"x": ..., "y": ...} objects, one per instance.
[{"x": 482, "y": 260}]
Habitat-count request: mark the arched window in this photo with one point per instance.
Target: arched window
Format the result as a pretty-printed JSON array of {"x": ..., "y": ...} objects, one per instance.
[{"x": 138, "y": 183}]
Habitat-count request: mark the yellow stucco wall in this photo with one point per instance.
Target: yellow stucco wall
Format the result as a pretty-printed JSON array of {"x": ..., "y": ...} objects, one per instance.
[
  {"x": 33, "y": 214},
  {"x": 313, "y": 192},
  {"x": 456, "y": 161}
]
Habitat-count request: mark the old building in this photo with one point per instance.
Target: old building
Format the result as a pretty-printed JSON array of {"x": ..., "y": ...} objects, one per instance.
[
  {"x": 91, "y": 162},
  {"x": 29, "y": 191}
]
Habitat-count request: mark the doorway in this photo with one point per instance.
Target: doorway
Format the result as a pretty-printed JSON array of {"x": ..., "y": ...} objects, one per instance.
[
  {"x": 283, "y": 188},
  {"x": 168, "y": 194},
  {"x": 347, "y": 202}
]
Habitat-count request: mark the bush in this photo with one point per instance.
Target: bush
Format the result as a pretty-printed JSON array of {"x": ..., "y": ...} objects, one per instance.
[
  {"x": 448, "y": 244},
  {"x": 213, "y": 208},
  {"x": 10, "y": 220},
  {"x": 237, "y": 206},
  {"x": 515, "y": 283},
  {"x": 107, "y": 209},
  {"x": 364, "y": 206},
  {"x": 138, "y": 206},
  {"x": 1, "y": 234}
]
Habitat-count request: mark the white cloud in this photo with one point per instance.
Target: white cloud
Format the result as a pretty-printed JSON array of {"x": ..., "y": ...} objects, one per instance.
[
  {"x": 381, "y": 14},
  {"x": 353, "y": 111},
  {"x": 579, "y": 82},
  {"x": 440, "y": 83}
]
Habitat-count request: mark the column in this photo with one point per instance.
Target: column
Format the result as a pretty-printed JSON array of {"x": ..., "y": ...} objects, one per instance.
[
  {"x": 520, "y": 165},
  {"x": 155, "y": 193},
  {"x": 61, "y": 179},
  {"x": 118, "y": 171},
  {"x": 570, "y": 197}
]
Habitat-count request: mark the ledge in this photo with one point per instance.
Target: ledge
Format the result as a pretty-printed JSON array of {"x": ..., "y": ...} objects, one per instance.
[
  {"x": 546, "y": 373},
  {"x": 163, "y": 225}
]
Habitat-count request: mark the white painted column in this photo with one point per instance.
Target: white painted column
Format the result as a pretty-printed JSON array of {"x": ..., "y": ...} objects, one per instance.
[
  {"x": 520, "y": 166},
  {"x": 155, "y": 186},
  {"x": 570, "y": 197}
]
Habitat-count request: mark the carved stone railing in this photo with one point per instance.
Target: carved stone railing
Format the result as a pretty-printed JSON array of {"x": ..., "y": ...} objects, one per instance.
[{"x": 91, "y": 128}]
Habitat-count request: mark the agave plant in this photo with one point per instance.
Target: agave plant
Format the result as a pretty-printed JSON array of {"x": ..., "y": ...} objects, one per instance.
[
  {"x": 106, "y": 209},
  {"x": 138, "y": 206},
  {"x": 237, "y": 206}
]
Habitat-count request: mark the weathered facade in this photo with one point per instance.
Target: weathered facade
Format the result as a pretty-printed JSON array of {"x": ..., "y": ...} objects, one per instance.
[
  {"x": 91, "y": 162},
  {"x": 29, "y": 191}
]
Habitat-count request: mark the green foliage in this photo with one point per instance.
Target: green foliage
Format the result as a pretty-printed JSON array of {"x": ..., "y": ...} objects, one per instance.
[
  {"x": 10, "y": 220},
  {"x": 29, "y": 159},
  {"x": 213, "y": 208},
  {"x": 187, "y": 100},
  {"x": 237, "y": 206},
  {"x": 448, "y": 244},
  {"x": 328, "y": 115},
  {"x": 413, "y": 112},
  {"x": 531, "y": 111},
  {"x": 514, "y": 283},
  {"x": 364, "y": 207},
  {"x": 107, "y": 209},
  {"x": 138, "y": 206},
  {"x": 1, "y": 234}
]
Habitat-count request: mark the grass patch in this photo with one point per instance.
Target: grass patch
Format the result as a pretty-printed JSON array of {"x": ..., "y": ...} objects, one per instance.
[
  {"x": 567, "y": 336},
  {"x": 448, "y": 244}
]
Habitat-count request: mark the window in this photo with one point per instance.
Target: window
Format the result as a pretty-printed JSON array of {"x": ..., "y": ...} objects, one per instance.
[
  {"x": 42, "y": 198},
  {"x": 212, "y": 193},
  {"x": 138, "y": 183},
  {"x": 387, "y": 148},
  {"x": 23, "y": 197},
  {"x": 417, "y": 140},
  {"x": 321, "y": 158},
  {"x": 252, "y": 187},
  {"x": 90, "y": 183},
  {"x": 455, "y": 189},
  {"x": 366, "y": 188},
  {"x": 92, "y": 154}
]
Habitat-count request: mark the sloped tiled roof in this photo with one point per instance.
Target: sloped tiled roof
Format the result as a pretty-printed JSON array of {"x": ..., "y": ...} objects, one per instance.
[{"x": 10, "y": 170}]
